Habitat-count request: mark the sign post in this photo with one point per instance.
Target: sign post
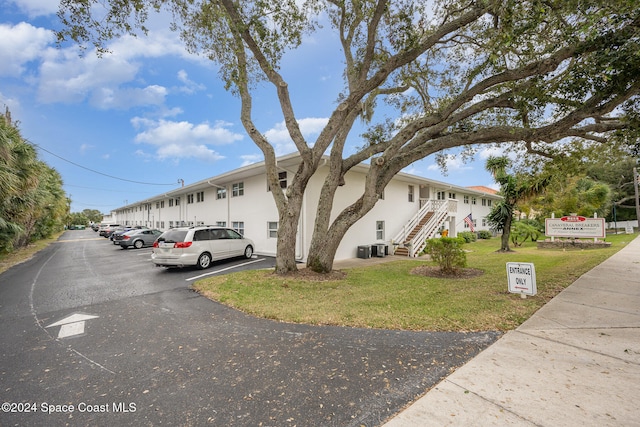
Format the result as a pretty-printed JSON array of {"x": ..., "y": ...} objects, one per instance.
[{"x": 522, "y": 278}]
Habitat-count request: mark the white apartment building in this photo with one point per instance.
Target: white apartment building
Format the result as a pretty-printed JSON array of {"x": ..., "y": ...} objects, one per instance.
[{"x": 411, "y": 210}]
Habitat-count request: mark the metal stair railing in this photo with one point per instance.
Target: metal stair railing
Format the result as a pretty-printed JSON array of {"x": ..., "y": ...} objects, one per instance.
[
  {"x": 413, "y": 222},
  {"x": 419, "y": 241}
]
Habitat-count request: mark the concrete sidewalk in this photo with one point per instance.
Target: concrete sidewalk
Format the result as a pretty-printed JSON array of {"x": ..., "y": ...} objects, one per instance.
[{"x": 576, "y": 362}]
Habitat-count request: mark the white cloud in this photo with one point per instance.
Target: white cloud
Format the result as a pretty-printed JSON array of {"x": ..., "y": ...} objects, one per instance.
[
  {"x": 453, "y": 163},
  {"x": 110, "y": 81},
  {"x": 487, "y": 152},
  {"x": 176, "y": 140},
  {"x": 249, "y": 159},
  {"x": 279, "y": 137},
  {"x": 189, "y": 86},
  {"x": 155, "y": 44},
  {"x": 68, "y": 78},
  {"x": 124, "y": 98},
  {"x": 35, "y": 8},
  {"x": 19, "y": 45}
]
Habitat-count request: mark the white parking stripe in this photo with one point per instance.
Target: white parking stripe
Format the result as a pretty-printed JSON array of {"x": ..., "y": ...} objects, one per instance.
[{"x": 224, "y": 269}]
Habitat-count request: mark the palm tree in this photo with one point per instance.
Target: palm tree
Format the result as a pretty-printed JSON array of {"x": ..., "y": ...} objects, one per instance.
[
  {"x": 513, "y": 189},
  {"x": 32, "y": 201}
]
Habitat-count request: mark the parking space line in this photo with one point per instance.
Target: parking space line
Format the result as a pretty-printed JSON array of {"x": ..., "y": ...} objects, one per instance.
[{"x": 224, "y": 269}]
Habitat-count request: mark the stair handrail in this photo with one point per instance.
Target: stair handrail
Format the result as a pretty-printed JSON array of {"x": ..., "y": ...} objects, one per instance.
[
  {"x": 419, "y": 241},
  {"x": 413, "y": 222}
]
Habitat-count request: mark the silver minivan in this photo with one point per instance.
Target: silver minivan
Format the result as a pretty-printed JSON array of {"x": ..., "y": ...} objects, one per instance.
[{"x": 199, "y": 246}]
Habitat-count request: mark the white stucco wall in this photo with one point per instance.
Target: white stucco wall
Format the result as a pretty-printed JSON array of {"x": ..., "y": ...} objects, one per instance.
[{"x": 256, "y": 208}]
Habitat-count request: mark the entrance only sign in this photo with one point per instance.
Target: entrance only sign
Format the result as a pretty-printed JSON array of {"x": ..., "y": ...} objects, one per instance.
[{"x": 522, "y": 278}]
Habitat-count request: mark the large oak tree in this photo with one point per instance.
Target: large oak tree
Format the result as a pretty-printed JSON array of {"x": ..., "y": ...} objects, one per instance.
[{"x": 452, "y": 73}]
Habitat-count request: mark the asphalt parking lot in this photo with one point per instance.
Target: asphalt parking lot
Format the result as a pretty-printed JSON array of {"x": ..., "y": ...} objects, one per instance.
[{"x": 88, "y": 325}]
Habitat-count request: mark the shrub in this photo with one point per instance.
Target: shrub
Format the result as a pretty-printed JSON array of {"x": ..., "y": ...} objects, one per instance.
[
  {"x": 521, "y": 231},
  {"x": 468, "y": 236},
  {"x": 447, "y": 252},
  {"x": 484, "y": 234}
]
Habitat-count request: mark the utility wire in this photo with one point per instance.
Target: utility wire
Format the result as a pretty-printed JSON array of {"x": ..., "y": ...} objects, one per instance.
[
  {"x": 106, "y": 189},
  {"x": 99, "y": 173}
]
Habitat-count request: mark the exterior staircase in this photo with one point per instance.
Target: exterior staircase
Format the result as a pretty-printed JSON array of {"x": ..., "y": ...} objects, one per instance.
[
  {"x": 403, "y": 250},
  {"x": 424, "y": 225}
]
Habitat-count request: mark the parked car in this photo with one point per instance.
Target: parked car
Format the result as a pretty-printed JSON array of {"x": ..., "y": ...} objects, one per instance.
[
  {"x": 199, "y": 246},
  {"x": 107, "y": 229},
  {"x": 137, "y": 238},
  {"x": 117, "y": 234}
]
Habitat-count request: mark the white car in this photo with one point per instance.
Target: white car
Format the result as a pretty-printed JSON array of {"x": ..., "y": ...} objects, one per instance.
[{"x": 199, "y": 246}]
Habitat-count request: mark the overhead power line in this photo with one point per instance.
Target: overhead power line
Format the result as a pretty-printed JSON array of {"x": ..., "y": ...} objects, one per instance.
[{"x": 99, "y": 173}]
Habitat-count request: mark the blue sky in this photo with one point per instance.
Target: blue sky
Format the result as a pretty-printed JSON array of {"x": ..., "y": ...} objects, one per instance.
[{"x": 132, "y": 124}]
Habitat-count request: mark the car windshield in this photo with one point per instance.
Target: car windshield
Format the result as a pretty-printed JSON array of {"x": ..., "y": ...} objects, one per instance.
[{"x": 173, "y": 236}]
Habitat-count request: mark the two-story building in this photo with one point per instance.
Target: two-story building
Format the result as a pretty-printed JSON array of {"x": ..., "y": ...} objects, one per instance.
[{"x": 410, "y": 210}]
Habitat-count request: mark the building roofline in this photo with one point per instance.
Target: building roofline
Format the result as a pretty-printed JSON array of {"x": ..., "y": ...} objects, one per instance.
[{"x": 286, "y": 162}]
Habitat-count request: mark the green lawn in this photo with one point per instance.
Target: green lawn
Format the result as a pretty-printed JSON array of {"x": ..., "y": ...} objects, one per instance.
[{"x": 388, "y": 296}]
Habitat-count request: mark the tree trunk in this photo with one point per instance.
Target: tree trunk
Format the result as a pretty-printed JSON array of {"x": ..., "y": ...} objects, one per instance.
[
  {"x": 506, "y": 234},
  {"x": 289, "y": 205},
  {"x": 286, "y": 246},
  {"x": 322, "y": 253},
  {"x": 326, "y": 239},
  {"x": 324, "y": 245}
]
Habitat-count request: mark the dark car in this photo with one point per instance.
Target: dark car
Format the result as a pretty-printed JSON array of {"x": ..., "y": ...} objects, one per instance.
[{"x": 138, "y": 238}]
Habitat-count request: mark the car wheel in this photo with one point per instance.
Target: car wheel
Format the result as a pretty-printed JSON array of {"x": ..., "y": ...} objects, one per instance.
[
  {"x": 204, "y": 261},
  {"x": 138, "y": 244},
  {"x": 248, "y": 252}
]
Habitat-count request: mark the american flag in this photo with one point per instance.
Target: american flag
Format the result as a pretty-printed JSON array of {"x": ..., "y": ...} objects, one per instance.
[{"x": 469, "y": 222}]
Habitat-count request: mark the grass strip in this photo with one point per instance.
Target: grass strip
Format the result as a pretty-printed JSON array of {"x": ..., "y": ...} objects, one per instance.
[{"x": 389, "y": 296}]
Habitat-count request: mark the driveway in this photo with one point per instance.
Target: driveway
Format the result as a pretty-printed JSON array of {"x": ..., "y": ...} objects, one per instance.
[{"x": 94, "y": 335}]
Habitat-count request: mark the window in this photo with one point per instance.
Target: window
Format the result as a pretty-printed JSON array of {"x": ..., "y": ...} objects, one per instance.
[
  {"x": 466, "y": 200},
  {"x": 380, "y": 230},
  {"x": 189, "y": 199},
  {"x": 282, "y": 177},
  {"x": 200, "y": 196},
  {"x": 441, "y": 195},
  {"x": 177, "y": 201},
  {"x": 411, "y": 198},
  {"x": 200, "y": 235},
  {"x": 489, "y": 202},
  {"x": 452, "y": 195},
  {"x": 237, "y": 189},
  {"x": 170, "y": 224},
  {"x": 157, "y": 205},
  {"x": 484, "y": 202},
  {"x": 473, "y": 200},
  {"x": 238, "y": 226},
  {"x": 170, "y": 202},
  {"x": 221, "y": 193},
  {"x": 221, "y": 223},
  {"x": 272, "y": 230},
  {"x": 484, "y": 222},
  {"x": 466, "y": 225}
]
